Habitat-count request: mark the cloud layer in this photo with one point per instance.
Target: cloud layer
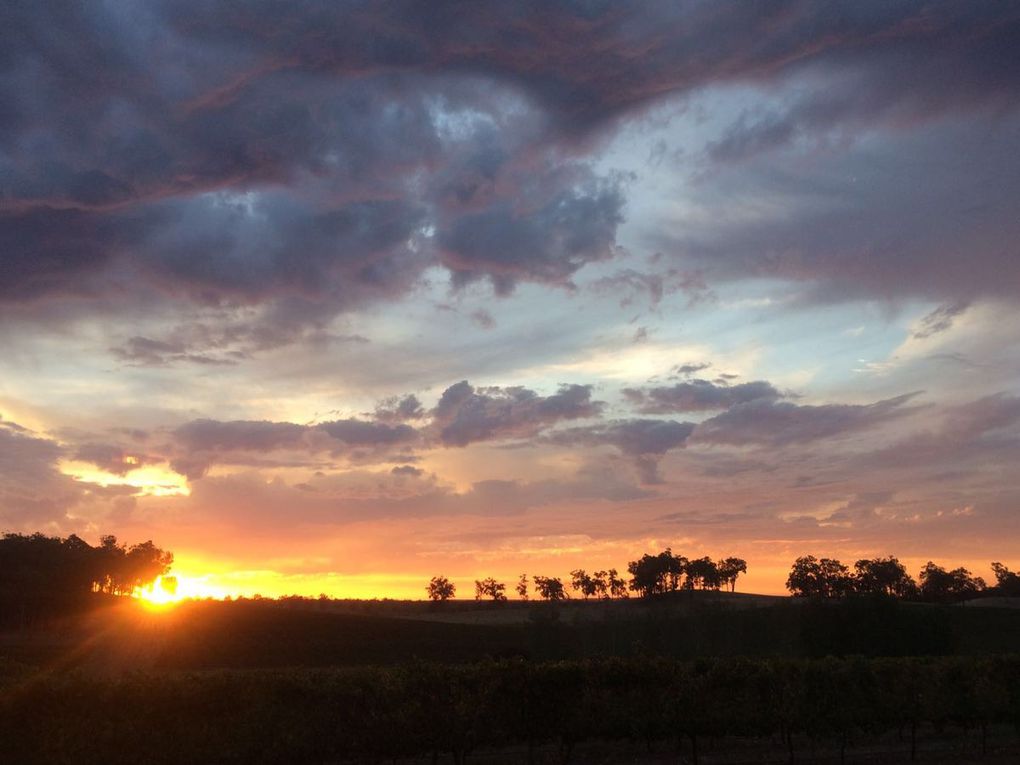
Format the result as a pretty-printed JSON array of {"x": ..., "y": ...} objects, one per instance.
[{"x": 690, "y": 264}]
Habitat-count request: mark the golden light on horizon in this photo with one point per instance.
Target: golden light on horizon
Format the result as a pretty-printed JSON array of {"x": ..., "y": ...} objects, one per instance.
[
  {"x": 162, "y": 593},
  {"x": 205, "y": 578},
  {"x": 149, "y": 480}
]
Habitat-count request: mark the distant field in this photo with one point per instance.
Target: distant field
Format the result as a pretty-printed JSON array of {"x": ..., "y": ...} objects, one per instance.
[
  {"x": 260, "y": 634},
  {"x": 516, "y": 611}
]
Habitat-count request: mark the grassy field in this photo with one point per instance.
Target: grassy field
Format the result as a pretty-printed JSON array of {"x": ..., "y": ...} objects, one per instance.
[
  {"x": 268, "y": 634},
  {"x": 739, "y": 679}
]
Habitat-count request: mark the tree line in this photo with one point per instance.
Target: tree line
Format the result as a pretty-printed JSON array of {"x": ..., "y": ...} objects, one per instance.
[
  {"x": 649, "y": 575},
  {"x": 829, "y": 578},
  {"x": 665, "y": 572},
  {"x": 45, "y": 576}
]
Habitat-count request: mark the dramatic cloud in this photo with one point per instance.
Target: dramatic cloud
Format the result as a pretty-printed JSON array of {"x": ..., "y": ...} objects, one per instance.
[
  {"x": 948, "y": 238},
  {"x": 772, "y": 423},
  {"x": 272, "y": 151},
  {"x": 234, "y": 236},
  {"x": 202, "y": 443},
  {"x": 465, "y": 414},
  {"x": 547, "y": 244},
  {"x": 698, "y": 396}
]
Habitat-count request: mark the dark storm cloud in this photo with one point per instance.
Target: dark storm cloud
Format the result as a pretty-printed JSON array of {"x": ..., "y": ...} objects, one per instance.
[
  {"x": 887, "y": 81},
  {"x": 466, "y": 414},
  {"x": 382, "y": 139},
  {"x": 548, "y": 243},
  {"x": 583, "y": 61},
  {"x": 252, "y": 247},
  {"x": 698, "y": 396},
  {"x": 781, "y": 423},
  {"x": 928, "y": 213}
]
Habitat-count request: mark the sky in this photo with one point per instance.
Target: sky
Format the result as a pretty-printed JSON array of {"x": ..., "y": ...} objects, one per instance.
[{"x": 336, "y": 297}]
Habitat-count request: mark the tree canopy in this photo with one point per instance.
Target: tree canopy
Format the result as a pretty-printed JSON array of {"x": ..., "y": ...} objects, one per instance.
[
  {"x": 490, "y": 589},
  {"x": 668, "y": 572},
  {"x": 43, "y": 575},
  {"x": 829, "y": 578},
  {"x": 440, "y": 588},
  {"x": 550, "y": 587}
]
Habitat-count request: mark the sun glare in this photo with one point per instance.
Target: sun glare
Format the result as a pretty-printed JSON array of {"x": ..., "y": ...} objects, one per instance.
[{"x": 162, "y": 593}]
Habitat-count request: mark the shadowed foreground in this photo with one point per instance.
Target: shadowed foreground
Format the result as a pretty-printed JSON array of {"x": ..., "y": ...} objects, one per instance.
[
  {"x": 703, "y": 677},
  {"x": 642, "y": 709}
]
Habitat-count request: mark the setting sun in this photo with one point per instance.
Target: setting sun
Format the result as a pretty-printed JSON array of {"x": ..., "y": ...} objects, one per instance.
[{"x": 164, "y": 591}]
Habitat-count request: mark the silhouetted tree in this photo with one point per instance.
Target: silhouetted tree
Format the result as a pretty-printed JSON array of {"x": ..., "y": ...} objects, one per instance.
[
  {"x": 600, "y": 583},
  {"x": 490, "y": 588},
  {"x": 440, "y": 588},
  {"x": 1006, "y": 581},
  {"x": 702, "y": 573},
  {"x": 582, "y": 581},
  {"x": 143, "y": 563},
  {"x": 656, "y": 574},
  {"x": 41, "y": 575},
  {"x": 617, "y": 584},
  {"x": 940, "y": 585},
  {"x": 822, "y": 578},
  {"x": 729, "y": 569},
  {"x": 885, "y": 576},
  {"x": 675, "y": 567},
  {"x": 522, "y": 587},
  {"x": 550, "y": 587}
]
